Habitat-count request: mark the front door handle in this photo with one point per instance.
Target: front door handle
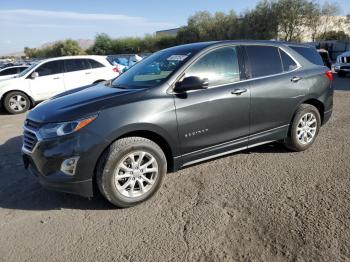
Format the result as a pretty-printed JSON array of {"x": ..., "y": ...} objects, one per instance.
[
  {"x": 238, "y": 91},
  {"x": 55, "y": 78},
  {"x": 295, "y": 79},
  {"x": 88, "y": 73}
]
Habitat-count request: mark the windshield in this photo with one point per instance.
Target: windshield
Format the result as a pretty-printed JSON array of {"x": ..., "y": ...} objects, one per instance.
[
  {"x": 154, "y": 70},
  {"x": 23, "y": 73}
]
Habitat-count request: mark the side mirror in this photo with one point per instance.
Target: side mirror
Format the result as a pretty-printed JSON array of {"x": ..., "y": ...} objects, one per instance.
[
  {"x": 34, "y": 75},
  {"x": 191, "y": 83}
]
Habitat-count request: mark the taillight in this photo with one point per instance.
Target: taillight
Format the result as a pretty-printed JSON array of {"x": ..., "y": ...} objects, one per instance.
[
  {"x": 115, "y": 69},
  {"x": 330, "y": 76}
]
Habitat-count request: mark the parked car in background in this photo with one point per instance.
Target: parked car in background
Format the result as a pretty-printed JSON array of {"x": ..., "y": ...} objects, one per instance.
[
  {"x": 51, "y": 77},
  {"x": 125, "y": 61},
  {"x": 325, "y": 57},
  {"x": 12, "y": 71},
  {"x": 342, "y": 66},
  {"x": 178, "y": 107}
]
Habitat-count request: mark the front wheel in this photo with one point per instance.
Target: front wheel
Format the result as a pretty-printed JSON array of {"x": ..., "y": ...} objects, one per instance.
[
  {"x": 304, "y": 128},
  {"x": 131, "y": 171},
  {"x": 16, "y": 102}
]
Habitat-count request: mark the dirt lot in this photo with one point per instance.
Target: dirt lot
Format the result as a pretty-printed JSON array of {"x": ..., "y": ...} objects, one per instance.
[{"x": 265, "y": 204}]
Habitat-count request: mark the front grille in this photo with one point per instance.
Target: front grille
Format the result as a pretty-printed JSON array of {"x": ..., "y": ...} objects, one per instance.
[
  {"x": 345, "y": 59},
  {"x": 31, "y": 124},
  {"x": 344, "y": 67},
  {"x": 29, "y": 137},
  {"x": 29, "y": 140}
]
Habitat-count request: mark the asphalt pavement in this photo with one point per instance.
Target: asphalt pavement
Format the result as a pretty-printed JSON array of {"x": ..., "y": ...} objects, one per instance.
[{"x": 262, "y": 204}]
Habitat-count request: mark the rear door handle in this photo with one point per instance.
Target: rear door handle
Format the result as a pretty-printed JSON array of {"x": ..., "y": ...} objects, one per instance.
[
  {"x": 295, "y": 79},
  {"x": 238, "y": 91},
  {"x": 88, "y": 73}
]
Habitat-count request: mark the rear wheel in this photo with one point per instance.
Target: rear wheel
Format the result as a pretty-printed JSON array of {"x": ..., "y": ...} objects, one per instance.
[
  {"x": 131, "y": 171},
  {"x": 16, "y": 102},
  {"x": 304, "y": 128}
]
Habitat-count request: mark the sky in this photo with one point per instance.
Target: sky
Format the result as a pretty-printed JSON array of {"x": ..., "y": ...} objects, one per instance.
[{"x": 33, "y": 23}]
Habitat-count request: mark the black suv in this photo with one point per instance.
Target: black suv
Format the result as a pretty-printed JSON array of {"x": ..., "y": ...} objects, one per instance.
[{"x": 177, "y": 107}]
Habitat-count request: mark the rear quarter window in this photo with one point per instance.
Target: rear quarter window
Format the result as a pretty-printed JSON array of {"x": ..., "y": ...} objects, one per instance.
[
  {"x": 95, "y": 64},
  {"x": 309, "y": 53}
]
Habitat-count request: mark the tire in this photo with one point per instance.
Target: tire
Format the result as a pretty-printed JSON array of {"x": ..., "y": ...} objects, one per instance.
[
  {"x": 301, "y": 137},
  {"x": 341, "y": 74},
  {"x": 131, "y": 175},
  {"x": 22, "y": 100}
]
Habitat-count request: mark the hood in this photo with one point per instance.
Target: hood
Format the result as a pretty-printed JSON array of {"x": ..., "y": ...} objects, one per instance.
[
  {"x": 79, "y": 103},
  {"x": 345, "y": 54}
]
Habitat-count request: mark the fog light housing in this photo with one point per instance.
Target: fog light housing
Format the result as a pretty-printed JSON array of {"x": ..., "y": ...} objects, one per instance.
[{"x": 69, "y": 166}]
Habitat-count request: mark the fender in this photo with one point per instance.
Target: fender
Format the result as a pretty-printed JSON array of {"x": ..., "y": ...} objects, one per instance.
[{"x": 147, "y": 127}]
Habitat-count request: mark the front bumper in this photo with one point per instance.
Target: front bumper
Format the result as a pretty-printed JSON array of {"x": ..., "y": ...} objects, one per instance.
[
  {"x": 59, "y": 181},
  {"x": 342, "y": 68},
  {"x": 44, "y": 162}
]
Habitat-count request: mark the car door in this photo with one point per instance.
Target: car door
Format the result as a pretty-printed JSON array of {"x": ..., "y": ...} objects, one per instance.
[
  {"x": 214, "y": 121},
  {"x": 78, "y": 73},
  {"x": 48, "y": 82},
  {"x": 276, "y": 90}
]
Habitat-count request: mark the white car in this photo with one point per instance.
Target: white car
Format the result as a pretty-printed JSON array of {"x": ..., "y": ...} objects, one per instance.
[
  {"x": 51, "y": 77},
  {"x": 11, "y": 71}
]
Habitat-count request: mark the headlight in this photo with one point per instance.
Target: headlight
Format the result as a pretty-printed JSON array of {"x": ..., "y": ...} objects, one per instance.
[{"x": 60, "y": 129}]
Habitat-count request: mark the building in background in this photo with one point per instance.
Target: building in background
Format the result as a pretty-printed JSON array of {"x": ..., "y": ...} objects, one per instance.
[{"x": 168, "y": 32}]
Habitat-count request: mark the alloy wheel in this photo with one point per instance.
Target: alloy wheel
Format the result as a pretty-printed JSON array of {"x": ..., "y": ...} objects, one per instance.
[
  {"x": 17, "y": 103},
  {"x": 307, "y": 128},
  {"x": 136, "y": 174}
]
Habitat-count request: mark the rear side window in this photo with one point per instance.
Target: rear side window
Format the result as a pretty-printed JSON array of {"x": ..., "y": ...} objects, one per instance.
[
  {"x": 50, "y": 68},
  {"x": 219, "y": 67},
  {"x": 287, "y": 61},
  {"x": 9, "y": 71},
  {"x": 76, "y": 65},
  {"x": 95, "y": 64},
  {"x": 309, "y": 53},
  {"x": 264, "y": 60}
]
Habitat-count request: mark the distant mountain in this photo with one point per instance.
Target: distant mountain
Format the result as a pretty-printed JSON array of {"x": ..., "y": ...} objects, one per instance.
[{"x": 83, "y": 43}]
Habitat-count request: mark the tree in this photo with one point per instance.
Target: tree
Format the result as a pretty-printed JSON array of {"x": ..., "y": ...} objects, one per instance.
[
  {"x": 103, "y": 45},
  {"x": 260, "y": 23},
  {"x": 293, "y": 17},
  {"x": 328, "y": 12},
  {"x": 65, "y": 48},
  {"x": 334, "y": 35}
]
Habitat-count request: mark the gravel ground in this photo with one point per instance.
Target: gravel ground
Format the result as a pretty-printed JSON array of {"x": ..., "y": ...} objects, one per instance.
[{"x": 265, "y": 204}]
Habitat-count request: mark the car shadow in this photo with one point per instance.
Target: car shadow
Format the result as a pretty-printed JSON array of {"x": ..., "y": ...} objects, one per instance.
[{"x": 20, "y": 190}]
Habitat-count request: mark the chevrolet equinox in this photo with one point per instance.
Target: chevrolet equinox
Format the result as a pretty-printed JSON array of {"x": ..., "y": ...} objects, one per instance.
[{"x": 178, "y": 107}]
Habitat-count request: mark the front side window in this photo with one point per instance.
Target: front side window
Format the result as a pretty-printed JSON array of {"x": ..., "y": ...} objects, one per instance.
[
  {"x": 50, "y": 68},
  {"x": 264, "y": 60},
  {"x": 76, "y": 65},
  {"x": 220, "y": 67},
  {"x": 288, "y": 63}
]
